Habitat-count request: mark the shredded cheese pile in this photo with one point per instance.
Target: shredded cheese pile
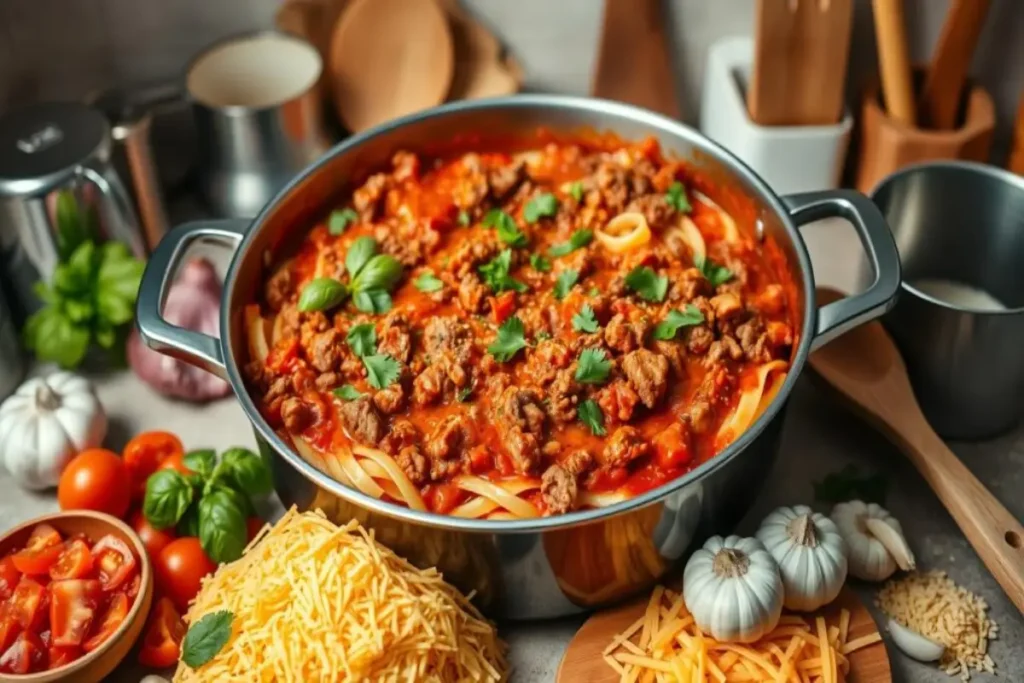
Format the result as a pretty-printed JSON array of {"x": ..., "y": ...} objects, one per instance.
[
  {"x": 934, "y": 606},
  {"x": 316, "y": 602},
  {"x": 666, "y": 645}
]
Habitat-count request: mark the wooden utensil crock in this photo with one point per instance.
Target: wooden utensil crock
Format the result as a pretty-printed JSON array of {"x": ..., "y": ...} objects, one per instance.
[{"x": 886, "y": 144}]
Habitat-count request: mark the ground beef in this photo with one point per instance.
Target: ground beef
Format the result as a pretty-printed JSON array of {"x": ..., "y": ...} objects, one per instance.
[
  {"x": 367, "y": 199},
  {"x": 676, "y": 355},
  {"x": 613, "y": 183},
  {"x": 753, "y": 340},
  {"x": 278, "y": 387},
  {"x": 504, "y": 179},
  {"x": 279, "y": 288},
  {"x": 563, "y": 396},
  {"x": 647, "y": 373},
  {"x": 472, "y": 294},
  {"x": 429, "y": 385},
  {"x": 617, "y": 401},
  {"x": 362, "y": 421},
  {"x": 545, "y": 360},
  {"x": 401, "y": 434},
  {"x": 395, "y": 339},
  {"x": 727, "y": 307},
  {"x": 519, "y": 419},
  {"x": 449, "y": 439},
  {"x": 625, "y": 445},
  {"x": 578, "y": 462},
  {"x": 471, "y": 188},
  {"x": 390, "y": 399},
  {"x": 689, "y": 285},
  {"x": 299, "y": 415},
  {"x": 406, "y": 165},
  {"x": 408, "y": 243},
  {"x": 654, "y": 208},
  {"x": 699, "y": 339},
  {"x": 725, "y": 348},
  {"x": 288, "y": 321},
  {"x": 701, "y": 412},
  {"x": 413, "y": 464},
  {"x": 624, "y": 335},
  {"x": 325, "y": 351},
  {"x": 558, "y": 489},
  {"x": 470, "y": 254},
  {"x": 447, "y": 335}
]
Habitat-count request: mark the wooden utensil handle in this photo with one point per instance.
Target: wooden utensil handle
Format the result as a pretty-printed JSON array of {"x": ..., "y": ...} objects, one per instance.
[
  {"x": 996, "y": 535},
  {"x": 897, "y": 85}
]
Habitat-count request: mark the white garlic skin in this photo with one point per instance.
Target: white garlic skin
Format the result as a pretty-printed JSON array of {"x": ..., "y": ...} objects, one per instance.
[
  {"x": 915, "y": 645},
  {"x": 868, "y": 559}
]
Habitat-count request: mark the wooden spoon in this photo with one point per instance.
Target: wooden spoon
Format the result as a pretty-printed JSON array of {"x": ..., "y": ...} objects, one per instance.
[
  {"x": 480, "y": 68},
  {"x": 944, "y": 81},
  {"x": 893, "y": 59},
  {"x": 389, "y": 58},
  {"x": 865, "y": 367}
]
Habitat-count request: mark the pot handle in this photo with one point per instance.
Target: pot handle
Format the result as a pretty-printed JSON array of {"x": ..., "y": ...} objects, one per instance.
[
  {"x": 841, "y": 316},
  {"x": 196, "y": 348}
]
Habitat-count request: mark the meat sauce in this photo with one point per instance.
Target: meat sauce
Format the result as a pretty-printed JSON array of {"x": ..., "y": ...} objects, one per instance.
[{"x": 518, "y": 341}]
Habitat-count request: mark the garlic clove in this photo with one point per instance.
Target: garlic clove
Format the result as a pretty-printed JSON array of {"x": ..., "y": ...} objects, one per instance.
[
  {"x": 893, "y": 542},
  {"x": 913, "y": 644}
]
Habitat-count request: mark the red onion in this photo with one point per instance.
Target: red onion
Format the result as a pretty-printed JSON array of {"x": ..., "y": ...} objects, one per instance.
[{"x": 193, "y": 302}]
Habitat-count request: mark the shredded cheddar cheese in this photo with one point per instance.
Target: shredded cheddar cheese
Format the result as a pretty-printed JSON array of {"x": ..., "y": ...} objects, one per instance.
[
  {"x": 316, "y": 602},
  {"x": 665, "y": 645}
]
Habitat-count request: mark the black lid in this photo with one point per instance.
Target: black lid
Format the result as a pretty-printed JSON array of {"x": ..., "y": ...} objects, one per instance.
[{"x": 41, "y": 145}]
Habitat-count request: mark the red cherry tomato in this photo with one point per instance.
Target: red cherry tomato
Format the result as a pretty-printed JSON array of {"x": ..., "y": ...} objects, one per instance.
[
  {"x": 113, "y": 617},
  {"x": 75, "y": 561},
  {"x": 28, "y": 604},
  {"x": 155, "y": 540},
  {"x": 59, "y": 655},
  {"x": 175, "y": 462},
  {"x": 162, "y": 643},
  {"x": 180, "y": 568},
  {"x": 95, "y": 479},
  {"x": 253, "y": 525},
  {"x": 26, "y": 655},
  {"x": 9, "y": 576},
  {"x": 145, "y": 453},
  {"x": 41, "y": 551},
  {"x": 115, "y": 561},
  {"x": 73, "y": 605},
  {"x": 9, "y": 628}
]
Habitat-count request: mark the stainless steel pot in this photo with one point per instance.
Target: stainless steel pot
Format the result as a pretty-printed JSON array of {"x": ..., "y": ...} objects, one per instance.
[{"x": 555, "y": 565}]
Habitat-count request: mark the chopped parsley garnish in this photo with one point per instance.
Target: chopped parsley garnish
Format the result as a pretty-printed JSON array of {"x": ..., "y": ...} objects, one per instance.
[
  {"x": 509, "y": 341},
  {"x": 464, "y": 394},
  {"x": 585, "y": 320},
  {"x": 348, "y": 392},
  {"x": 543, "y": 335},
  {"x": 362, "y": 339},
  {"x": 540, "y": 263},
  {"x": 565, "y": 282},
  {"x": 464, "y": 220},
  {"x": 590, "y": 414},
  {"x": 576, "y": 191},
  {"x": 508, "y": 231},
  {"x": 577, "y": 240},
  {"x": 594, "y": 291},
  {"x": 647, "y": 284},
  {"x": 714, "y": 273},
  {"x": 675, "y": 320},
  {"x": 543, "y": 205},
  {"x": 593, "y": 367},
  {"x": 381, "y": 370},
  {"x": 428, "y": 282},
  {"x": 677, "y": 199},
  {"x": 339, "y": 220},
  {"x": 496, "y": 276}
]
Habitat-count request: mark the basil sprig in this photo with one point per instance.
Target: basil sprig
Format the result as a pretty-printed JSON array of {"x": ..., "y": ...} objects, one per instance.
[{"x": 372, "y": 276}]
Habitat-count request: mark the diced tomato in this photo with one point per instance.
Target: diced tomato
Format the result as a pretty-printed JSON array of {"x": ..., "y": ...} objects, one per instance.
[
  {"x": 113, "y": 617},
  {"x": 115, "y": 561},
  {"x": 672, "y": 447},
  {"x": 480, "y": 459},
  {"x": 131, "y": 589},
  {"x": 164, "y": 634},
  {"x": 9, "y": 627},
  {"x": 26, "y": 655},
  {"x": 9, "y": 576},
  {"x": 42, "y": 550},
  {"x": 446, "y": 497},
  {"x": 144, "y": 454},
  {"x": 75, "y": 561},
  {"x": 59, "y": 655},
  {"x": 504, "y": 465},
  {"x": 28, "y": 604},
  {"x": 607, "y": 479},
  {"x": 502, "y": 306},
  {"x": 283, "y": 355},
  {"x": 73, "y": 605}
]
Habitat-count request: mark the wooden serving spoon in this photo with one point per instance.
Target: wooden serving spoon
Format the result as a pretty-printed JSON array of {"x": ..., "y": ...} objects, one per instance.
[
  {"x": 865, "y": 367},
  {"x": 480, "y": 68},
  {"x": 947, "y": 73}
]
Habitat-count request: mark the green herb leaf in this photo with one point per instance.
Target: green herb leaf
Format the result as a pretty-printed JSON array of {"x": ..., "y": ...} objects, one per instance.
[
  {"x": 246, "y": 471},
  {"x": 168, "y": 494},
  {"x": 540, "y": 263},
  {"x": 427, "y": 282},
  {"x": 543, "y": 205},
  {"x": 714, "y": 273},
  {"x": 118, "y": 277},
  {"x": 54, "y": 338},
  {"x": 508, "y": 231},
  {"x": 593, "y": 367},
  {"x": 647, "y": 284},
  {"x": 464, "y": 218},
  {"x": 372, "y": 301},
  {"x": 362, "y": 339},
  {"x": 71, "y": 224},
  {"x": 464, "y": 394},
  {"x": 590, "y": 414},
  {"x": 511, "y": 338},
  {"x": 383, "y": 271},
  {"x": 543, "y": 335},
  {"x": 188, "y": 525},
  {"x": 359, "y": 254},
  {"x": 201, "y": 461},
  {"x": 381, "y": 370},
  {"x": 496, "y": 274},
  {"x": 347, "y": 392},
  {"x": 322, "y": 294},
  {"x": 576, "y": 191},
  {"x": 577, "y": 240},
  {"x": 850, "y": 484},
  {"x": 675, "y": 320},
  {"x": 339, "y": 220},
  {"x": 677, "y": 199},
  {"x": 206, "y": 638},
  {"x": 585, "y": 320},
  {"x": 221, "y": 527},
  {"x": 565, "y": 282}
]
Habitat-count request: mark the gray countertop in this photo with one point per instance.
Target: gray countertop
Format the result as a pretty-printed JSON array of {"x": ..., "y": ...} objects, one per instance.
[{"x": 820, "y": 437}]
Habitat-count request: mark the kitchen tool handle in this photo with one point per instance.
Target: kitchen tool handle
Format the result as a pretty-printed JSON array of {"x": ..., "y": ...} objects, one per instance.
[
  {"x": 196, "y": 348},
  {"x": 126, "y": 219},
  {"x": 841, "y": 316}
]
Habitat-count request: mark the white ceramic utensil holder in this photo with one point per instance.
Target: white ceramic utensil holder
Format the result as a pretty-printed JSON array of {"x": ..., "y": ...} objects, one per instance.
[{"x": 789, "y": 158}]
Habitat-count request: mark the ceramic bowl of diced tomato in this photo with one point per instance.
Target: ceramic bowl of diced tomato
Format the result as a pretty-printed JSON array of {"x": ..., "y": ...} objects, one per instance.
[{"x": 75, "y": 588}]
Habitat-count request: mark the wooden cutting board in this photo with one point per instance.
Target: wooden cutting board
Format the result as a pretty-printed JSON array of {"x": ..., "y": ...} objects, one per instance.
[{"x": 583, "y": 660}]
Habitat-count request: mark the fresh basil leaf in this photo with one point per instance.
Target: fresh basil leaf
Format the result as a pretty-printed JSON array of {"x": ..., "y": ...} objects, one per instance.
[
  {"x": 71, "y": 226},
  {"x": 427, "y": 282},
  {"x": 464, "y": 218},
  {"x": 206, "y": 638},
  {"x": 201, "y": 461},
  {"x": 247, "y": 471},
  {"x": 496, "y": 273},
  {"x": 372, "y": 301},
  {"x": 669, "y": 327},
  {"x": 565, "y": 282},
  {"x": 347, "y": 392},
  {"x": 340, "y": 219},
  {"x": 508, "y": 231},
  {"x": 576, "y": 191},
  {"x": 168, "y": 495},
  {"x": 677, "y": 199},
  {"x": 590, "y": 414},
  {"x": 540, "y": 263},
  {"x": 55, "y": 339},
  {"x": 362, "y": 339},
  {"x": 577, "y": 240},
  {"x": 593, "y": 367},
  {"x": 510, "y": 339},
  {"x": 240, "y": 499},
  {"x": 383, "y": 271},
  {"x": 715, "y": 274},
  {"x": 79, "y": 311},
  {"x": 359, "y": 254},
  {"x": 188, "y": 525},
  {"x": 105, "y": 335},
  {"x": 647, "y": 284},
  {"x": 381, "y": 370},
  {"x": 222, "y": 530},
  {"x": 585, "y": 320},
  {"x": 543, "y": 205},
  {"x": 321, "y": 294}
]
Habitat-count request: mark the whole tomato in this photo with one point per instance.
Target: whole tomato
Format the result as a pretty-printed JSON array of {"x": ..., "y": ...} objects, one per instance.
[
  {"x": 175, "y": 462},
  {"x": 155, "y": 540},
  {"x": 180, "y": 568},
  {"x": 145, "y": 453},
  {"x": 95, "y": 479}
]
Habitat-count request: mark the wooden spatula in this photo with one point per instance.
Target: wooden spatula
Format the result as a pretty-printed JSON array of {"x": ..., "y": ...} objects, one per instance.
[
  {"x": 947, "y": 72},
  {"x": 800, "y": 57},
  {"x": 633, "y": 62},
  {"x": 894, "y": 61},
  {"x": 866, "y": 368}
]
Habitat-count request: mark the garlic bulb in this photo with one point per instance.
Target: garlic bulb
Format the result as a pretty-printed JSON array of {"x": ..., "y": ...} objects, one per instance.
[
  {"x": 874, "y": 540},
  {"x": 810, "y": 553},
  {"x": 733, "y": 589},
  {"x": 920, "y": 647}
]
